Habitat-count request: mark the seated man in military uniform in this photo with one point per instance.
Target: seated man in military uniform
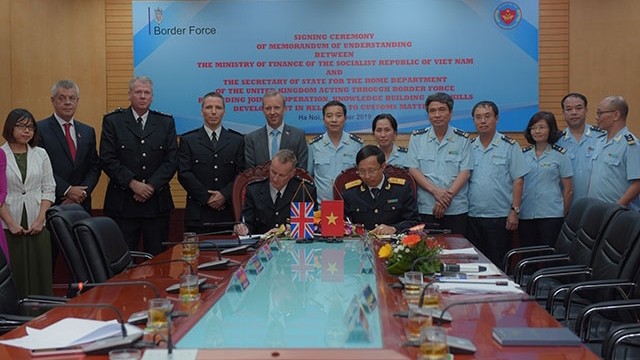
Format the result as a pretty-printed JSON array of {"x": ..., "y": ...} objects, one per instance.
[
  {"x": 383, "y": 205},
  {"x": 267, "y": 203}
]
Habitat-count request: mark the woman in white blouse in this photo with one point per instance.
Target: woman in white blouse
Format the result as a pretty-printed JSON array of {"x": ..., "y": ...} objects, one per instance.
[{"x": 30, "y": 192}]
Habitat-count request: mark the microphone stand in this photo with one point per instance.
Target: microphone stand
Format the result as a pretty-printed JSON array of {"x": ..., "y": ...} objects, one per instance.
[
  {"x": 191, "y": 271},
  {"x": 485, "y": 301},
  {"x": 81, "y": 285}
]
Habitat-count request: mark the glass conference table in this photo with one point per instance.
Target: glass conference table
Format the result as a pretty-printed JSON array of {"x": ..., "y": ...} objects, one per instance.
[{"x": 295, "y": 308}]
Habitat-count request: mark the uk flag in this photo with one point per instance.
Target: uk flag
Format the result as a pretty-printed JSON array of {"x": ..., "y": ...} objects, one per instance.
[
  {"x": 302, "y": 220},
  {"x": 303, "y": 267}
]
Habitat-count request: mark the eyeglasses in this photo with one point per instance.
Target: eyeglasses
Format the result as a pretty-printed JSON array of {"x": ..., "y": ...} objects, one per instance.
[
  {"x": 600, "y": 112},
  {"x": 368, "y": 172},
  {"x": 24, "y": 127}
]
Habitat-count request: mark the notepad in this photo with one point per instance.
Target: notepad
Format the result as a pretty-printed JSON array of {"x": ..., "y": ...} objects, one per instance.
[{"x": 535, "y": 336}]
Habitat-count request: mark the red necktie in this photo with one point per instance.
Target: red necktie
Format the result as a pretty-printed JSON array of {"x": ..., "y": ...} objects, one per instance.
[{"x": 72, "y": 145}]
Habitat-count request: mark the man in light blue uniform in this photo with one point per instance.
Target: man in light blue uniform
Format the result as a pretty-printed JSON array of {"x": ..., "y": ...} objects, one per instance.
[
  {"x": 495, "y": 186},
  {"x": 580, "y": 141},
  {"x": 439, "y": 158},
  {"x": 616, "y": 165},
  {"x": 333, "y": 151}
]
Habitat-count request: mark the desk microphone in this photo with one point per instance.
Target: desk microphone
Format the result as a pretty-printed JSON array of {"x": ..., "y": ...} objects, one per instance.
[
  {"x": 101, "y": 346},
  {"x": 147, "y": 263},
  {"x": 219, "y": 264},
  {"x": 80, "y": 286},
  {"x": 466, "y": 268}
]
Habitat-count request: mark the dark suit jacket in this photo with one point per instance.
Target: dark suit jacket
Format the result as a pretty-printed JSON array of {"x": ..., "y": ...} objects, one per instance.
[
  {"x": 84, "y": 171},
  {"x": 202, "y": 168},
  {"x": 394, "y": 206},
  {"x": 256, "y": 147},
  {"x": 127, "y": 154},
  {"x": 260, "y": 213}
]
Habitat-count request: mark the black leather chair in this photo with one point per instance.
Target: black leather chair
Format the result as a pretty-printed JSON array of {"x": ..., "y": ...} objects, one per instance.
[
  {"x": 60, "y": 221},
  {"x": 617, "y": 257},
  {"x": 561, "y": 246},
  {"x": 103, "y": 247},
  {"x": 596, "y": 219},
  {"x": 10, "y": 311}
]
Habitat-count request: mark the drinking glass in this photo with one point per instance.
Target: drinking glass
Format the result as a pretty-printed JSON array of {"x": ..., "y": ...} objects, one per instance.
[
  {"x": 433, "y": 343},
  {"x": 418, "y": 319},
  {"x": 159, "y": 310},
  {"x": 189, "y": 288},
  {"x": 190, "y": 248}
]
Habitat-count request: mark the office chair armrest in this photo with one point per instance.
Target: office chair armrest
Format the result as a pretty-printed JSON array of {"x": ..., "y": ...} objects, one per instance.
[
  {"x": 506, "y": 261},
  {"x": 44, "y": 299},
  {"x": 623, "y": 286},
  {"x": 552, "y": 260},
  {"x": 140, "y": 254},
  {"x": 616, "y": 336},
  {"x": 583, "y": 321},
  {"x": 9, "y": 322},
  {"x": 555, "y": 272}
]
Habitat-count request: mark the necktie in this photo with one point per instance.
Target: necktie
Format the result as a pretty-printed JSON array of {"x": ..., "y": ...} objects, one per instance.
[
  {"x": 140, "y": 124},
  {"x": 72, "y": 145},
  {"x": 278, "y": 198},
  {"x": 214, "y": 140},
  {"x": 375, "y": 192},
  {"x": 274, "y": 142}
]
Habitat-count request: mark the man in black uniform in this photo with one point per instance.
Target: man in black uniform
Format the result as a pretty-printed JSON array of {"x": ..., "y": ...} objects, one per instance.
[
  {"x": 263, "y": 209},
  {"x": 209, "y": 158},
  {"x": 383, "y": 205},
  {"x": 138, "y": 153}
]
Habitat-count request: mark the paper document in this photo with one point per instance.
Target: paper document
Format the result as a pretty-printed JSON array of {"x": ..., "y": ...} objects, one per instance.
[
  {"x": 465, "y": 251},
  {"x": 69, "y": 332},
  {"x": 478, "y": 286}
]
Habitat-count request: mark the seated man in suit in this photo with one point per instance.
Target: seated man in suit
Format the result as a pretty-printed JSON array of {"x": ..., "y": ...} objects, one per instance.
[
  {"x": 383, "y": 205},
  {"x": 267, "y": 202}
]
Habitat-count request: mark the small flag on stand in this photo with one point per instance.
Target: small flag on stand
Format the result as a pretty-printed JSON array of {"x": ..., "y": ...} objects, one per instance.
[
  {"x": 302, "y": 220},
  {"x": 332, "y": 222}
]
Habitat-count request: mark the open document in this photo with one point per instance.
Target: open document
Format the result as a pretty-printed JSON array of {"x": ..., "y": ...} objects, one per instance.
[{"x": 69, "y": 332}]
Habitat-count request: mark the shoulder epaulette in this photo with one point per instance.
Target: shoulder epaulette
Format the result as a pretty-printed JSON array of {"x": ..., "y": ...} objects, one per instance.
[
  {"x": 528, "y": 148},
  {"x": 315, "y": 139},
  {"x": 402, "y": 149},
  {"x": 257, "y": 181},
  {"x": 558, "y": 148},
  {"x": 563, "y": 133},
  {"x": 459, "y": 132},
  {"x": 508, "y": 139},
  {"x": 474, "y": 139},
  {"x": 356, "y": 138},
  {"x": 114, "y": 111},
  {"x": 420, "y": 131},
  {"x": 397, "y": 181},
  {"x": 191, "y": 131},
  {"x": 630, "y": 139},
  {"x": 160, "y": 113},
  {"x": 235, "y": 132},
  {"x": 597, "y": 129},
  {"x": 353, "y": 183}
]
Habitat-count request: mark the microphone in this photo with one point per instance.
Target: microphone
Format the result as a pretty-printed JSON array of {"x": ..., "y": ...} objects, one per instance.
[
  {"x": 80, "y": 286},
  {"x": 462, "y": 268},
  {"x": 100, "y": 346},
  {"x": 485, "y": 301},
  {"x": 219, "y": 264},
  {"x": 147, "y": 263}
]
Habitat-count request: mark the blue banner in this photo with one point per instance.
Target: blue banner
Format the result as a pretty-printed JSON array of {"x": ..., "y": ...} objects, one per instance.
[{"x": 376, "y": 56}]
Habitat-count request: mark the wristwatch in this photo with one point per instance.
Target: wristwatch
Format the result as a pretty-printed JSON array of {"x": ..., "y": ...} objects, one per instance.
[{"x": 516, "y": 209}]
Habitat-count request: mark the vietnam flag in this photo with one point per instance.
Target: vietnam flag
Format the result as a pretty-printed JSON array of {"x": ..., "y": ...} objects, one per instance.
[
  {"x": 332, "y": 222},
  {"x": 333, "y": 265}
]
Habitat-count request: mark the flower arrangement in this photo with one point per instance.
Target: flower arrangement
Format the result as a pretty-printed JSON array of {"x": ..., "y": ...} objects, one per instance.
[{"x": 401, "y": 254}]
